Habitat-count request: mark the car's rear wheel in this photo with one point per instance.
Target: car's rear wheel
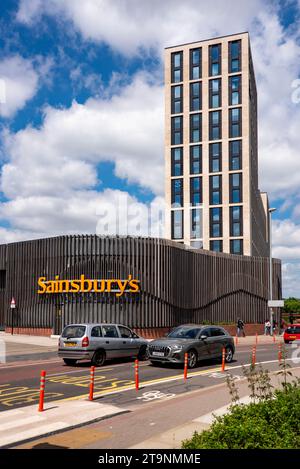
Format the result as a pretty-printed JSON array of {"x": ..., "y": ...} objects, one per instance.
[
  {"x": 98, "y": 358},
  {"x": 70, "y": 361},
  {"x": 228, "y": 354},
  {"x": 192, "y": 358},
  {"x": 286, "y": 341},
  {"x": 143, "y": 353}
]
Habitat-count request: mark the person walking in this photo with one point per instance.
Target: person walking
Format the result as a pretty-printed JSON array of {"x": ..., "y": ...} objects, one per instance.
[
  {"x": 240, "y": 328},
  {"x": 268, "y": 327}
]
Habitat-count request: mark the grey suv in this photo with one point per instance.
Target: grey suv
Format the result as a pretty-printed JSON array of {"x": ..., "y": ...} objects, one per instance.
[
  {"x": 200, "y": 342},
  {"x": 100, "y": 342}
]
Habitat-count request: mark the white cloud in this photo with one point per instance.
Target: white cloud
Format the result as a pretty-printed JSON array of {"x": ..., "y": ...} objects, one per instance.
[
  {"x": 133, "y": 26},
  {"x": 109, "y": 212},
  {"x": 62, "y": 155},
  {"x": 291, "y": 275},
  {"x": 21, "y": 82}
]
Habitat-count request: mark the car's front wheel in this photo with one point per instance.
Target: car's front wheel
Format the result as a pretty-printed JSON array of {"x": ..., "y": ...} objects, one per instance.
[
  {"x": 98, "y": 358},
  {"x": 228, "y": 354},
  {"x": 70, "y": 361},
  {"x": 143, "y": 353},
  {"x": 192, "y": 358}
]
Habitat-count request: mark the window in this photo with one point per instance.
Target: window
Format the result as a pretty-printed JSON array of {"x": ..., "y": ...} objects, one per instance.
[
  {"x": 195, "y": 64},
  {"x": 176, "y": 67},
  {"x": 176, "y": 162},
  {"x": 215, "y": 157},
  {"x": 177, "y": 193},
  {"x": 195, "y": 96},
  {"x": 125, "y": 332},
  {"x": 235, "y": 90},
  {"x": 215, "y": 125},
  {"x": 96, "y": 332},
  {"x": 196, "y": 191},
  {"x": 195, "y": 159},
  {"x": 234, "y": 56},
  {"x": 215, "y": 186},
  {"x": 177, "y": 224},
  {"x": 235, "y": 155},
  {"x": 235, "y": 184},
  {"x": 176, "y": 99},
  {"x": 235, "y": 122},
  {"x": 176, "y": 131},
  {"x": 196, "y": 223},
  {"x": 110, "y": 331},
  {"x": 215, "y": 60},
  {"x": 195, "y": 128},
  {"x": 197, "y": 244},
  {"x": 216, "y": 222},
  {"x": 216, "y": 245},
  {"x": 215, "y": 332},
  {"x": 215, "y": 93},
  {"x": 236, "y": 246},
  {"x": 236, "y": 221}
]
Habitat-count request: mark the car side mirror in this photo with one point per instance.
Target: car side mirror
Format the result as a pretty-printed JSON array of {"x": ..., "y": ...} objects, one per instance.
[{"x": 203, "y": 337}]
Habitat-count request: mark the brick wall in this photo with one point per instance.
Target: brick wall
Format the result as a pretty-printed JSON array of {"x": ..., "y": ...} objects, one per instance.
[{"x": 30, "y": 331}]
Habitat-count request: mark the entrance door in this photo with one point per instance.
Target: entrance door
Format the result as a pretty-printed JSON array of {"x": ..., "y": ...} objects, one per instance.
[{"x": 58, "y": 320}]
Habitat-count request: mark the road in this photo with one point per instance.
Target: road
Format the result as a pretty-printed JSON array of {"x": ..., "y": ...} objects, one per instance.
[{"x": 19, "y": 381}]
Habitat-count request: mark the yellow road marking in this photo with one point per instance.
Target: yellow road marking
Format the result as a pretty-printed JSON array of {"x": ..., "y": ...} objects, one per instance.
[
  {"x": 144, "y": 384},
  {"x": 10, "y": 396}
]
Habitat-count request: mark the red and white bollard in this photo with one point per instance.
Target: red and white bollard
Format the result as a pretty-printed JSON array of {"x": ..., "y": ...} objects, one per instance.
[
  {"x": 42, "y": 390},
  {"x": 256, "y": 338},
  {"x": 253, "y": 356},
  {"x": 223, "y": 359},
  {"x": 136, "y": 375},
  {"x": 92, "y": 381},
  {"x": 274, "y": 337},
  {"x": 185, "y": 369},
  {"x": 279, "y": 353}
]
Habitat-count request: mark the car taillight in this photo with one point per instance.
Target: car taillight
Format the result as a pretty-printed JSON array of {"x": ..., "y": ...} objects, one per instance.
[{"x": 85, "y": 342}]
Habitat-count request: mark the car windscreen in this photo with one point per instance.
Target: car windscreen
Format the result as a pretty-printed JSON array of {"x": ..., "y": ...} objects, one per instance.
[
  {"x": 73, "y": 332},
  {"x": 184, "y": 333},
  {"x": 293, "y": 330}
]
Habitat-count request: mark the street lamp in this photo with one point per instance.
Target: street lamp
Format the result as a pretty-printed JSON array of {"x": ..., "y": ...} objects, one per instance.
[{"x": 271, "y": 210}]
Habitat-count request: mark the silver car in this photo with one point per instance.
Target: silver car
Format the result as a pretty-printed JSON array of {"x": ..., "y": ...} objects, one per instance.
[
  {"x": 100, "y": 342},
  {"x": 198, "y": 341}
]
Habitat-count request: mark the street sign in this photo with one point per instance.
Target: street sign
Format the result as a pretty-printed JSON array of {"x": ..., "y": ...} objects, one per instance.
[
  {"x": 13, "y": 303},
  {"x": 276, "y": 303}
]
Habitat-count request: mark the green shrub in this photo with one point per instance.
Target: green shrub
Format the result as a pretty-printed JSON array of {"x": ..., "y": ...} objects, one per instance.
[{"x": 271, "y": 423}]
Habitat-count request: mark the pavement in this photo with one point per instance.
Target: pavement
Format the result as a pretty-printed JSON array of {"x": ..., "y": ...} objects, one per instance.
[{"x": 27, "y": 423}]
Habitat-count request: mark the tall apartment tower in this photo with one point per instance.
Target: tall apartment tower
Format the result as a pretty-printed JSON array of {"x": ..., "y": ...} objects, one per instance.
[{"x": 212, "y": 196}]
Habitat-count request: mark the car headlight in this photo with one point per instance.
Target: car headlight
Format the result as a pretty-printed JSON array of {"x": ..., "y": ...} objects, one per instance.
[{"x": 177, "y": 347}]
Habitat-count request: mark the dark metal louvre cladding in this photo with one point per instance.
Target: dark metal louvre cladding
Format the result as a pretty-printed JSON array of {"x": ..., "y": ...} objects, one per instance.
[{"x": 178, "y": 284}]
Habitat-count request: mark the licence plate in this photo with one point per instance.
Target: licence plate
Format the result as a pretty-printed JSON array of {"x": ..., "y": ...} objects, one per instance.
[
  {"x": 158, "y": 354},
  {"x": 293, "y": 337},
  {"x": 70, "y": 344}
]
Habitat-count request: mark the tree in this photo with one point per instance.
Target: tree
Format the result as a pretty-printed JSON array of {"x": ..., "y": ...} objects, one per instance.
[{"x": 291, "y": 305}]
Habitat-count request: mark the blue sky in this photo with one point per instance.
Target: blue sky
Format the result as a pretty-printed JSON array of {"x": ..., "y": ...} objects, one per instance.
[{"x": 81, "y": 110}]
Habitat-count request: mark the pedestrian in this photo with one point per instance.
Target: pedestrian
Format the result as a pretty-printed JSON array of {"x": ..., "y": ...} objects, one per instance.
[
  {"x": 268, "y": 327},
  {"x": 240, "y": 327},
  {"x": 282, "y": 326}
]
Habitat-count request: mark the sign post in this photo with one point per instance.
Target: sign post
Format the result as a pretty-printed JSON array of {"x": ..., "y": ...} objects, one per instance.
[{"x": 12, "y": 307}]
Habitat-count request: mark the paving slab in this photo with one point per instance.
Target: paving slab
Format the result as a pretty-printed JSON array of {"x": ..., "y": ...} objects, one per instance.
[{"x": 27, "y": 423}]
